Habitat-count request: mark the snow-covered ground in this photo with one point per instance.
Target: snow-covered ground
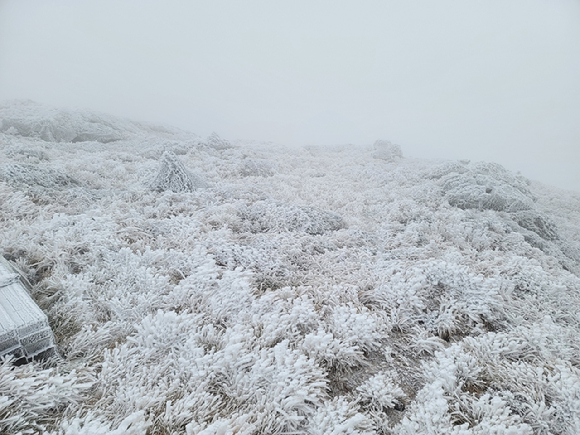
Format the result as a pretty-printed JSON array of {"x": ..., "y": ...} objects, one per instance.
[{"x": 200, "y": 286}]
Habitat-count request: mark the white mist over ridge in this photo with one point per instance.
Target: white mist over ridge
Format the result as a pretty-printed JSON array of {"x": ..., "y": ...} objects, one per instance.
[
  {"x": 493, "y": 81},
  {"x": 203, "y": 286}
]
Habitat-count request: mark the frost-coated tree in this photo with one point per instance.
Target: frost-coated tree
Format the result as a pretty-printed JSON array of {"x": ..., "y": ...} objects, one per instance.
[{"x": 304, "y": 291}]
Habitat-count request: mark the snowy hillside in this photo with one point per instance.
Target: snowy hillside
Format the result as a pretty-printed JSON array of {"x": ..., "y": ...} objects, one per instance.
[{"x": 198, "y": 286}]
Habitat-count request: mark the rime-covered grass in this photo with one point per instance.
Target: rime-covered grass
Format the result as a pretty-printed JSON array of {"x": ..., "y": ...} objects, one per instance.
[{"x": 197, "y": 286}]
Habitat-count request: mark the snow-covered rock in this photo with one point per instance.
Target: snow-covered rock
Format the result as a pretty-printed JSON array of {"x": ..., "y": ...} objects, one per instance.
[{"x": 488, "y": 186}]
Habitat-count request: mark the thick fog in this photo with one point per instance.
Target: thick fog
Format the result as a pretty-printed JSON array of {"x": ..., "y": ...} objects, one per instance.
[{"x": 494, "y": 80}]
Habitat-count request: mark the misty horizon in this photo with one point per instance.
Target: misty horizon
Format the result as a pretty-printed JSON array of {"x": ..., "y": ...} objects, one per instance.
[{"x": 491, "y": 82}]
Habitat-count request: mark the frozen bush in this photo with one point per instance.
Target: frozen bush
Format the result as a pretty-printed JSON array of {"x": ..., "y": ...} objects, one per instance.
[
  {"x": 15, "y": 204},
  {"x": 29, "y": 119},
  {"x": 17, "y": 174},
  {"x": 385, "y": 150},
  {"x": 206, "y": 373},
  {"x": 381, "y": 391},
  {"x": 217, "y": 143},
  {"x": 255, "y": 168},
  {"x": 446, "y": 405},
  {"x": 91, "y": 424},
  {"x": 174, "y": 176},
  {"x": 539, "y": 224},
  {"x": 27, "y": 154},
  {"x": 273, "y": 216},
  {"x": 340, "y": 416},
  {"x": 29, "y": 395},
  {"x": 235, "y": 310},
  {"x": 487, "y": 186},
  {"x": 444, "y": 169}
]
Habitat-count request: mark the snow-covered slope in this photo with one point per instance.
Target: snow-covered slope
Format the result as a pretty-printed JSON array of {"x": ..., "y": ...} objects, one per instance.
[{"x": 205, "y": 287}]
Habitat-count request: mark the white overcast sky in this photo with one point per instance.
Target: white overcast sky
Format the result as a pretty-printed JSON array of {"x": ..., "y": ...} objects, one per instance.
[{"x": 495, "y": 80}]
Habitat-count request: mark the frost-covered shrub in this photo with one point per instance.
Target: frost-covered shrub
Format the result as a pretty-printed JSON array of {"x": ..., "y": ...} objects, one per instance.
[
  {"x": 205, "y": 373},
  {"x": 173, "y": 175},
  {"x": 255, "y": 168},
  {"x": 27, "y": 154},
  {"x": 487, "y": 186},
  {"x": 15, "y": 204},
  {"x": 444, "y": 169},
  {"x": 276, "y": 259},
  {"x": 447, "y": 299},
  {"x": 272, "y": 267},
  {"x": 18, "y": 174},
  {"x": 340, "y": 416},
  {"x": 29, "y": 119},
  {"x": 217, "y": 143},
  {"x": 385, "y": 150},
  {"x": 273, "y": 216},
  {"x": 356, "y": 327},
  {"x": 341, "y": 347},
  {"x": 446, "y": 405},
  {"x": 92, "y": 424},
  {"x": 571, "y": 250},
  {"x": 539, "y": 224},
  {"x": 30, "y": 396},
  {"x": 381, "y": 391},
  {"x": 233, "y": 310}
]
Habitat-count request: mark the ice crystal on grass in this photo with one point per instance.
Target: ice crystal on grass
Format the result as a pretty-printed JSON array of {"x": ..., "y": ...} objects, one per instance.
[
  {"x": 539, "y": 224},
  {"x": 340, "y": 416},
  {"x": 276, "y": 387},
  {"x": 256, "y": 168},
  {"x": 380, "y": 391},
  {"x": 264, "y": 216},
  {"x": 29, "y": 395},
  {"x": 335, "y": 294},
  {"x": 90, "y": 424},
  {"x": 18, "y": 175}
]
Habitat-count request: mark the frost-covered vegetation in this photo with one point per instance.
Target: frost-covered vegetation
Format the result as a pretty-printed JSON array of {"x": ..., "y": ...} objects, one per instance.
[{"x": 201, "y": 286}]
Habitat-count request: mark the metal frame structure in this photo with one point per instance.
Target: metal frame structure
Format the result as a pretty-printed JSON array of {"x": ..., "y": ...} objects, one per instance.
[{"x": 24, "y": 329}]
